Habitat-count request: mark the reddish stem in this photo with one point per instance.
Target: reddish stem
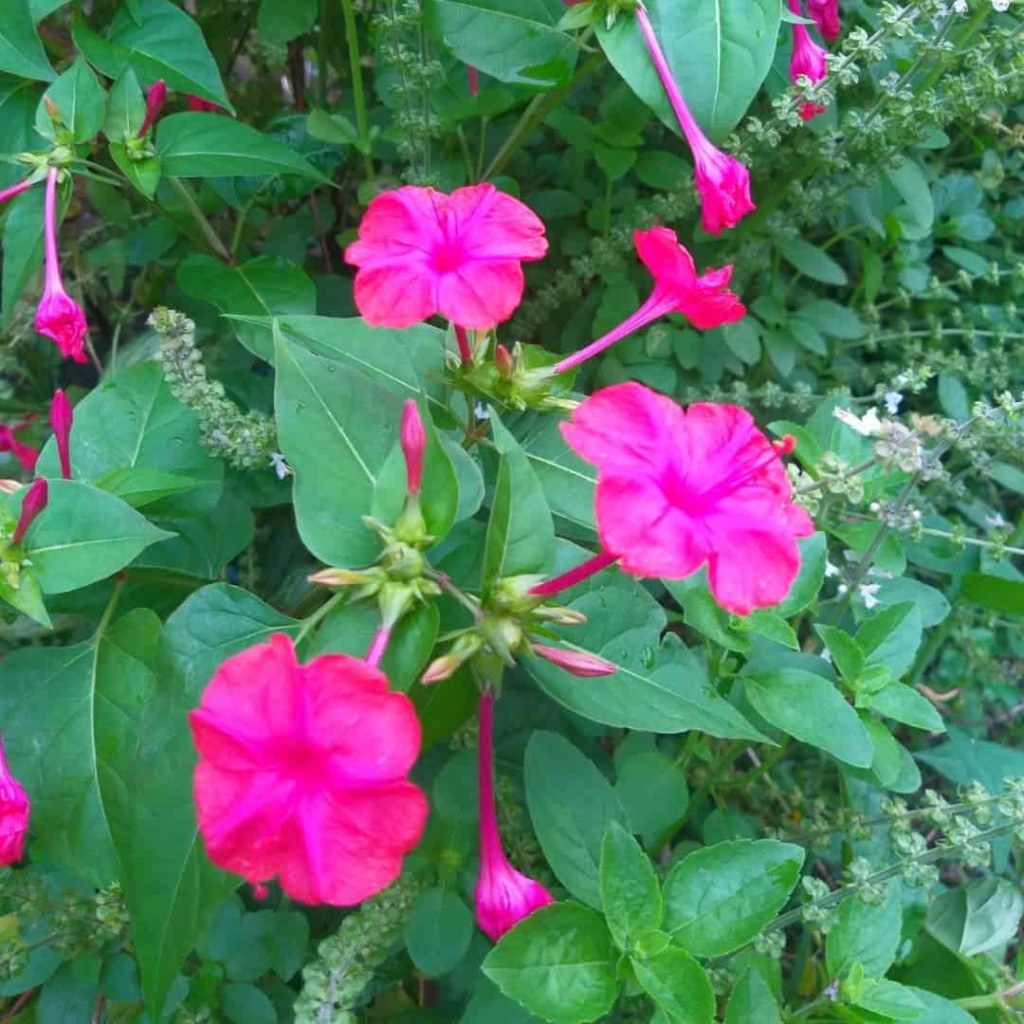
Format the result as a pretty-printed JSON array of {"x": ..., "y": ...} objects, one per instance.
[
  {"x": 465, "y": 353},
  {"x": 569, "y": 579}
]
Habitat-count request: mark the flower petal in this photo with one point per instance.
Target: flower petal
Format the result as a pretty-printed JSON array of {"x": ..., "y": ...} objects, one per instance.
[{"x": 481, "y": 294}]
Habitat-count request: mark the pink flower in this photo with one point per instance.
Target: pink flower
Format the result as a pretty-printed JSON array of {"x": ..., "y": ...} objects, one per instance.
[
  {"x": 808, "y": 59},
  {"x": 413, "y": 439},
  {"x": 155, "y": 100},
  {"x": 422, "y": 252},
  {"x": 58, "y": 316},
  {"x": 60, "y": 422},
  {"x": 473, "y": 78},
  {"x": 36, "y": 497},
  {"x": 578, "y": 663},
  {"x": 705, "y": 301},
  {"x": 722, "y": 181},
  {"x": 14, "y": 814},
  {"x": 15, "y": 190},
  {"x": 503, "y": 895},
  {"x": 24, "y": 453},
  {"x": 302, "y": 773},
  {"x": 200, "y": 106},
  {"x": 680, "y": 489},
  {"x": 826, "y": 15}
]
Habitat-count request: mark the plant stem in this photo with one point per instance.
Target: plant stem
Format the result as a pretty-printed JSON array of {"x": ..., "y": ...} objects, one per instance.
[
  {"x": 200, "y": 218},
  {"x": 356, "y": 70},
  {"x": 311, "y": 621}
]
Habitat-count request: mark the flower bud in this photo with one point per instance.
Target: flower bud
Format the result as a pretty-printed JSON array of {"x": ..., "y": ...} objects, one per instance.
[
  {"x": 52, "y": 110},
  {"x": 33, "y": 503},
  {"x": 60, "y": 421},
  {"x": 10, "y": 486},
  {"x": 14, "y": 814},
  {"x": 785, "y": 445},
  {"x": 340, "y": 578},
  {"x": 155, "y": 99},
  {"x": 414, "y": 443},
  {"x": 442, "y": 668},
  {"x": 578, "y": 663},
  {"x": 504, "y": 362}
]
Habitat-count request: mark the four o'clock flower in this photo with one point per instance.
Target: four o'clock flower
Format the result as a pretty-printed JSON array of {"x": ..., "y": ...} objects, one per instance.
[
  {"x": 24, "y": 453},
  {"x": 14, "y": 813},
  {"x": 16, "y": 190},
  {"x": 577, "y": 663},
  {"x": 808, "y": 59},
  {"x": 705, "y": 301},
  {"x": 155, "y": 99},
  {"x": 722, "y": 181},
  {"x": 826, "y": 16},
  {"x": 32, "y": 504},
  {"x": 58, "y": 316},
  {"x": 413, "y": 439},
  {"x": 200, "y": 106},
  {"x": 503, "y": 895},
  {"x": 60, "y": 422}
]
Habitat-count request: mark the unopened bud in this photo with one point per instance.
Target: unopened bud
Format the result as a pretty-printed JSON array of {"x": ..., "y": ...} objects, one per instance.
[
  {"x": 339, "y": 578},
  {"x": 52, "y": 110},
  {"x": 60, "y": 422},
  {"x": 559, "y": 615},
  {"x": 10, "y": 486},
  {"x": 33, "y": 503},
  {"x": 155, "y": 99},
  {"x": 442, "y": 668},
  {"x": 414, "y": 443},
  {"x": 785, "y": 445},
  {"x": 578, "y": 663},
  {"x": 504, "y": 362}
]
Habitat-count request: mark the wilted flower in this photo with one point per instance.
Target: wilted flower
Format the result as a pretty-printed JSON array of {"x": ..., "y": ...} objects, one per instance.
[
  {"x": 808, "y": 59},
  {"x": 826, "y": 16}
]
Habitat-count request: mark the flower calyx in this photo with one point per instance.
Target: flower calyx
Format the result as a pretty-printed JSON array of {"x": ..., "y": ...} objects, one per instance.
[{"x": 520, "y": 378}]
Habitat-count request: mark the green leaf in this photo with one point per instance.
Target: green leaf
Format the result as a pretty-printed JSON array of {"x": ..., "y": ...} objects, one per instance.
[
  {"x": 889, "y": 999},
  {"x": 246, "y": 1004},
  {"x": 767, "y": 624},
  {"x": 752, "y": 1000},
  {"x": 979, "y": 917},
  {"x": 910, "y": 182},
  {"x": 80, "y": 100},
  {"x": 22, "y": 247},
  {"x": 812, "y": 710},
  {"x": 156, "y": 39},
  {"x": 964, "y": 759},
  {"x": 141, "y": 485},
  {"x": 26, "y": 597},
  {"x": 438, "y": 931},
  {"x": 570, "y": 832},
  {"x": 813, "y": 262},
  {"x": 904, "y": 704},
  {"x": 719, "y": 51},
  {"x": 845, "y": 652},
  {"x": 938, "y": 1010},
  {"x": 21, "y": 52},
  {"x": 336, "y": 429},
  {"x": 265, "y": 286},
  {"x": 653, "y": 792},
  {"x": 891, "y": 637},
  {"x": 198, "y": 145},
  {"x": 144, "y": 175},
  {"x": 516, "y": 41},
  {"x": 131, "y": 421},
  {"x": 520, "y": 533},
  {"x": 559, "y": 963},
  {"x": 886, "y": 760},
  {"x": 719, "y": 898},
  {"x": 279, "y": 21},
  {"x": 834, "y": 320},
  {"x": 126, "y": 107},
  {"x": 679, "y": 986},
  {"x": 18, "y": 101},
  {"x": 630, "y": 894},
  {"x": 83, "y": 535},
  {"x": 993, "y": 592},
  {"x": 866, "y": 934}
]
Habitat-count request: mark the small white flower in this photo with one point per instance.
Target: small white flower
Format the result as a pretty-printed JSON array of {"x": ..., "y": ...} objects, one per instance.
[
  {"x": 482, "y": 412},
  {"x": 868, "y": 425},
  {"x": 281, "y": 468},
  {"x": 960, "y": 6},
  {"x": 831, "y": 570},
  {"x": 996, "y": 522},
  {"x": 867, "y": 593},
  {"x": 892, "y": 402},
  {"x": 825, "y": 655},
  {"x": 1000, "y": 5}
]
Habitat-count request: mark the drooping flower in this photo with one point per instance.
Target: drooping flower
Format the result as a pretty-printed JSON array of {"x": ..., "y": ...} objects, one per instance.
[
  {"x": 58, "y": 316},
  {"x": 808, "y": 59},
  {"x": 36, "y": 497},
  {"x": 61, "y": 418},
  {"x": 413, "y": 439},
  {"x": 722, "y": 181},
  {"x": 678, "y": 489},
  {"x": 14, "y": 813},
  {"x": 504, "y": 896},
  {"x": 155, "y": 100},
  {"x": 705, "y": 301},
  {"x": 421, "y": 252},
  {"x": 303, "y": 771},
  {"x": 24, "y": 453},
  {"x": 826, "y": 16}
]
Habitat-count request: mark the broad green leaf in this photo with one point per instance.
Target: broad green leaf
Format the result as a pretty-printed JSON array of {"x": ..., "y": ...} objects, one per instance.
[
  {"x": 570, "y": 832},
  {"x": 909, "y": 180},
  {"x": 679, "y": 986},
  {"x": 993, "y": 592},
  {"x": 752, "y": 1000},
  {"x": 142, "y": 485},
  {"x": 489, "y": 1006},
  {"x": 438, "y": 931},
  {"x": 938, "y": 1010},
  {"x": 886, "y": 760},
  {"x": 336, "y": 429},
  {"x": 18, "y": 101},
  {"x": 80, "y": 101},
  {"x": 126, "y": 107},
  {"x": 964, "y": 759},
  {"x": 516, "y": 41},
  {"x": 653, "y": 792},
  {"x": 720, "y": 897},
  {"x": 26, "y": 597},
  {"x": 202, "y": 145},
  {"x": 719, "y": 52},
  {"x": 559, "y": 963},
  {"x": 22, "y": 247},
  {"x": 65, "y": 997},
  {"x": 930, "y": 602},
  {"x": 144, "y": 175},
  {"x": 157, "y": 40},
  {"x": 520, "y": 533},
  {"x": 812, "y": 710},
  {"x": 246, "y": 1004},
  {"x": 864, "y": 933},
  {"x": 170, "y": 887},
  {"x": 21, "y": 52},
  {"x": 889, "y": 999},
  {"x": 844, "y": 651},
  {"x": 630, "y": 894},
  {"x": 132, "y": 421},
  {"x": 904, "y": 704},
  {"x": 265, "y": 287},
  {"x": 83, "y": 535},
  {"x": 979, "y": 917},
  {"x": 279, "y": 21},
  {"x": 813, "y": 262}
]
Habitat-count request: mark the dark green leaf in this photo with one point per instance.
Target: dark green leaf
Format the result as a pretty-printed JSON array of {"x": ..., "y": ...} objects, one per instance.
[
  {"x": 630, "y": 894},
  {"x": 904, "y": 704},
  {"x": 80, "y": 101},
  {"x": 21, "y": 52},
  {"x": 889, "y": 999},
  {"x": 844, "y": 651},
  {"x": 813, "y": 262},
  {"x": 980, "y": 917},
  {"x": 994, "y": 592},
  {"x": 752, "y": 1000},
  {"x": 438, "y": 931},
  {"x": 866, "y": 934},
  {"x": 653, "y": 792},
  {"x": 279, "y": 21},
  {"x": 246, "y": 1004},
  {"x": 22, "y": 246}
]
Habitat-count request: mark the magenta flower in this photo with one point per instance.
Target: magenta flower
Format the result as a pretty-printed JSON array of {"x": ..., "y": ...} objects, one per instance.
[
  {"x": 678, "y": 489},
  {"x": 473, "y": 78},
  {"x": 722, "y": 181},
  {"x": 58, "y": 316},
  {"x": 15, "y": 190},
  {"x": 422, "y": 252},
  {"x": 60, "y": 422},
  {"x": 577, "y": 663},
  {"x": 826, "y": 16},
  {"x": 303, "y": 771},
  {"x": 24, "y": 453},
  {"x": 705, "y": 301},
  {"x": 808, "y": 59},
  {"x": 14, "y": 813},
  {"x": 36, "y": 497},
  {"x": 413, "y": 439},
  {"x": 155, "y": 100},
  {"x": 503, "y": 895},
  {"x": 200, "y": 106}
]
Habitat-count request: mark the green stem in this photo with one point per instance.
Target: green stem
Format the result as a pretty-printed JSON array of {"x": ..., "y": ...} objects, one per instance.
[
  {"x": 108, "y": 612},
  {"x": 200, "y": 218},
  {"x": 313, "y": 620},
  {"x": 356, "y": 70}
]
